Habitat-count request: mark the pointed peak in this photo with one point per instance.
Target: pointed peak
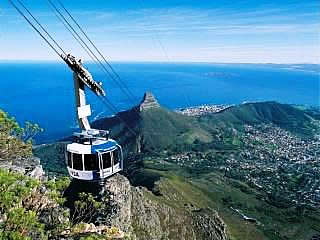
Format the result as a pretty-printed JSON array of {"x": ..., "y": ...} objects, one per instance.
[{"x": 148, "y": 101}]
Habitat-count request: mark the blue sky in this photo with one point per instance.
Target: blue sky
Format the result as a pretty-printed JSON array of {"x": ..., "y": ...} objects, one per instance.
[{"x": 257, "y": 31}]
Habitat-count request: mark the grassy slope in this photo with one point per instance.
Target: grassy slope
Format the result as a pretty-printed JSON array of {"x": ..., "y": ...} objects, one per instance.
[
  {"x": 276, "y": 223},
  {"x": 157, "y": 128},
  {"x": 209, "y": 190},
  {"x": 163, "y": 128},
  {"x": 178, "y": 190},
  {"x": 282, "y": 115}
]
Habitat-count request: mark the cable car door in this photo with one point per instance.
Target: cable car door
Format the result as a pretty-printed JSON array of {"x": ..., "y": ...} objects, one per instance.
[
  {"x": 106, "y": 164},
  {"x": 100, "y": 165}
]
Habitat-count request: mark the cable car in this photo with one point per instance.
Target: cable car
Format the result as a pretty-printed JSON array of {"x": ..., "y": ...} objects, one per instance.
[{"x": 92, "y": 156}]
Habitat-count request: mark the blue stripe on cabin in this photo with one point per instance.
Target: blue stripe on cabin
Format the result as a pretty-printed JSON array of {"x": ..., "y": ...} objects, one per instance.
[{"x": 110, "y": 145}]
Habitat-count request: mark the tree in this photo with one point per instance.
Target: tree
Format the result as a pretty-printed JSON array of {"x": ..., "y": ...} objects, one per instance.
[
  {"x": 16, "y": 141},
  {"x": 30, "y": 131},
  {"x": 30, "y": 209},
  {"x": 8, "y": 125},
  {"x": 85, "y": 209},
  {"x": 22, "y": 225},
  {"x": 18, "y": 221}
]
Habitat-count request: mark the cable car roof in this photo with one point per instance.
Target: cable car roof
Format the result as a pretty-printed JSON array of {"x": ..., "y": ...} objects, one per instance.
[
  {"x": 107, "y": 146},
  {"x": 98, "y": 146}
]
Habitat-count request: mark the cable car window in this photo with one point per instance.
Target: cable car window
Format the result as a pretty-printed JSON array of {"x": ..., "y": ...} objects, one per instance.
[
  {"x": 116, "y": 156},
  {"x": 77, "y": 161},
  {"x": 106, "y": 160},
  {"x": 69, "y": 159},
  {"x": 91, "y": 162}
]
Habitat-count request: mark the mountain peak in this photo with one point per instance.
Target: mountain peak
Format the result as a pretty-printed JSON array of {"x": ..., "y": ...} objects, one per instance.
[{"x": 148, "y": 101}]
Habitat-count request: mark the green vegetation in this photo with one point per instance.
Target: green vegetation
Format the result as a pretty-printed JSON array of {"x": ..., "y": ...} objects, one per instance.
[
  {"x": 179, "y": 187},
  {"x": 85, "y": 209},
  {"x": 16, "y": 141},
  {"x": 20, "y": 208},
  {"x": 281, "y": 115},
  {"x": 30, "y": 210},
  {"x": 156, "y": 128}
]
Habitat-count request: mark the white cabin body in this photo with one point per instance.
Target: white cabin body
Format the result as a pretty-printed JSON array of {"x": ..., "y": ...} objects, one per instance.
[{"x": 94, "y": 159}]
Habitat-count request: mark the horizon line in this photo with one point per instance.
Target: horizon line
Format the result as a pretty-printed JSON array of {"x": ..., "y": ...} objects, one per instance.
[{"x": 160, "y": 61}]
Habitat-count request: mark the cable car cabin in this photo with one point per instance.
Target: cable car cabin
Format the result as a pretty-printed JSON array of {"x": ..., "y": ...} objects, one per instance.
[
  {"x": 93, "y": 159},
  {"x": 93, "y": 156}
]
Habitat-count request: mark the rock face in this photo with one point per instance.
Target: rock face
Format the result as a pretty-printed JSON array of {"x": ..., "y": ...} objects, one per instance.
[
  {"x": 119, "y": 198},
  {"x": 209, "y": 224},
  {"x": 148, "y": 101},
  {"x": 146, "y": 216},
  {"x": 29, "y": 166}
]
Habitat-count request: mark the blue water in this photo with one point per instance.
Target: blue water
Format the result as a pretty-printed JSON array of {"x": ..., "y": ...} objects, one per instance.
[{"x": 43, "y": 92}]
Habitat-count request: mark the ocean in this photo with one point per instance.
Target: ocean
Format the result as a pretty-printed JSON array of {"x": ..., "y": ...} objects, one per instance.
[{"x": 42, "y": 92}]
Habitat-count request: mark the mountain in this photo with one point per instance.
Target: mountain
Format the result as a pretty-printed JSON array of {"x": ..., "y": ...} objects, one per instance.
[
  {"x": 150, "y": 127},
  {"x": 282, "y": 115}
]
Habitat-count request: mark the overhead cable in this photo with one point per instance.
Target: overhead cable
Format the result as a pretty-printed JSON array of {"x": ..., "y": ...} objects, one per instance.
[
  {"x": 32, "y": 25},
  {"x": 99, "y": 52}
]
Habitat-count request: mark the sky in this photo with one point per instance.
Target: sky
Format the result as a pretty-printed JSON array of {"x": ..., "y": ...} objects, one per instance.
[{"x": 238, "y": 31}]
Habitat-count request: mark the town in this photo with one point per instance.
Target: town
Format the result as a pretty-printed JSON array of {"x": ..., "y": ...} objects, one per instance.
[
  {"x": 269, "y": 159},
  {"x": 202, "y": 110}
]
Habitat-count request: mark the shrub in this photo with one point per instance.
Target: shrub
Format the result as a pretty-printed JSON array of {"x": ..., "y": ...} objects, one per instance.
[{"x": 16, "y": 141}]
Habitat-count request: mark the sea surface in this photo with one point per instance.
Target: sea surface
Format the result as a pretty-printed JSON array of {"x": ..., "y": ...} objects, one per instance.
[{"x": 42, "y": 92}]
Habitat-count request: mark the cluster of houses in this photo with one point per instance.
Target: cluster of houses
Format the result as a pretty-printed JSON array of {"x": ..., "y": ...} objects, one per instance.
[
  {"x": 275, "y": 160},
  {"x": 202, "y": 110},
  {"x": 270, "y": 160}
]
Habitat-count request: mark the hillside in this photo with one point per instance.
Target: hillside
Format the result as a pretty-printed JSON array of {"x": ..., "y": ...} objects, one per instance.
[
  {"x": 156, "y": 128},
  {"x": 282, "y": 115}
]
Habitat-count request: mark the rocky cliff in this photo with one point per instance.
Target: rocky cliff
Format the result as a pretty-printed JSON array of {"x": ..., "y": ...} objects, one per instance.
[
  {"x": 147, "y": 216},
  {"x": 29, "y": 166},
  {"x": 148, "y": 102}
]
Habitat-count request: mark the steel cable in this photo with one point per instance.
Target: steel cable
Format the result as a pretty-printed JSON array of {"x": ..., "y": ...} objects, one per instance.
[{"x": 37, "y": 30}]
